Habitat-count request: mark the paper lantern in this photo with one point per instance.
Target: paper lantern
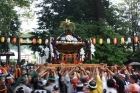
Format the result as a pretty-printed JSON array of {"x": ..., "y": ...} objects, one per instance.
[
  {"x": 34, "y": 41},
  {"x": 122, "y": 40},
  {"x": 39, "y": 41},
  {"x": 94, "y": 41},
  {"x": 27, "y": 40},
  {"x": 115, "y": 41},
  {"x": 100, "y": 41},
  {"x": 136, "y": 39},
  {"x": 2, "y": 39},
  {"x": 8, "y": 39},
  {"x": 129, "y": 40},
  {"x": 14, "y": 40},
  {"x": 20, "y": 40},
  {"x": 46, "y": 41},
  {"x": 108, "y": 40}
]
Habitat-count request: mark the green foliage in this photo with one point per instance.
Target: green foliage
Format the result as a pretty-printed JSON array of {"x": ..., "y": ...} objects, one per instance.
[
  {"x": 110, "y": 53},
  {"x": 38, "y": 34},
  {"x": 136, "y": 56},
  {"x": 33, "y": 56},
  {"x": 84, "y": 14},
  {"x": 10, "y": 24}
]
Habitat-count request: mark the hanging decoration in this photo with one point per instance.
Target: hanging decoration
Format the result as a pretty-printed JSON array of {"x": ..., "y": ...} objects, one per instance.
[
  {"x": 122, "y": 40},
  {"x": 108, "y": 40},
  {"x": 39, "y": 41},
  {"x": 27, "y": 40},
  {"x": 129, "y": 40},
  {"x": 34, "y": 41},
  {"x": 115, "y": 41},
  {"x": 14, "y": 40},
  {"x": 136, "y": 39},
  {"x": 8, "y": 39},
  {"x": 46, "y": 41},
  {"x": 2, "y": 39},
  {"x": 100, "y": 41},
  {"x": 20, "y": 40},
  {"x": 94, "y": 41}
]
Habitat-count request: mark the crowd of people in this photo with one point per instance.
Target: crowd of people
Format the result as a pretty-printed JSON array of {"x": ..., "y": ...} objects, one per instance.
[{"x": 77, "y": 79}]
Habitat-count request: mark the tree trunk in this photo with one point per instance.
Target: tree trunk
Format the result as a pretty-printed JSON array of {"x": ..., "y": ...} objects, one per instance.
[{"x": 98, "y": 9}]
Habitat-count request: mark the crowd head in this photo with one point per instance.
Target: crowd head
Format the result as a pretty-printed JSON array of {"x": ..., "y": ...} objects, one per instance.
[{"x": 64, "y": 79}]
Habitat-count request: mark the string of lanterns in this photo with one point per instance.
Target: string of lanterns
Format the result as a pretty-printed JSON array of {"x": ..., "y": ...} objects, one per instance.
[
  {"x": 94, "y": 41},
  {"x": 14, "y": 40},
  {"x": 115, "y": 40}
]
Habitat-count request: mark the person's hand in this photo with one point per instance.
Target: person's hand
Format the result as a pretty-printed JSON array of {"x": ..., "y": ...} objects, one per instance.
[
  {"x": 97, "y": 70},
  {"x": 107, "y": 69},
  {"x": 101, "y": 68},
  {"x": 62, "y": 65},
  {"x": 80, "y": 64},
  {"x": 73, "y": 68},
  {"x": 93, "y": 69},
  {"x": 82, "y": 68},
  {"x": 115, "y": 67},
  {"x": 112, "y": 68}
]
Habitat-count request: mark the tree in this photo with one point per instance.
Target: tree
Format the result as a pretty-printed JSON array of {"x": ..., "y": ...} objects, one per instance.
[
  {"x": 9, "y": 19},
  {"x": 129, "y": 12},
  {"x": 55, "y": 11},
  {"x": 9, "y": 22},
  {"x": 35, "y": 47},
  {"x": 110, "y": 53},
  {"x": 93, "y": 18}
]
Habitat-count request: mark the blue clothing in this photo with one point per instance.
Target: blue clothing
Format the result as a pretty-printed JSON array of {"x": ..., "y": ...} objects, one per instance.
[{"x": 11, "y": 70}]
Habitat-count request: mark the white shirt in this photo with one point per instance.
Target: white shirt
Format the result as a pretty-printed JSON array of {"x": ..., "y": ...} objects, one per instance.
[
  {"x": 133, "y": 87},
  {"x": 66, "y": 80},
  {"x": 24, "y": 88},
  {"x": 106, "y": 88}
]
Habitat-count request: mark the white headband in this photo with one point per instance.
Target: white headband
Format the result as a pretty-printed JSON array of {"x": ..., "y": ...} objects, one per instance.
[
  {"x": 79, "y": 85},
  {"x": 10, "y": 76}
]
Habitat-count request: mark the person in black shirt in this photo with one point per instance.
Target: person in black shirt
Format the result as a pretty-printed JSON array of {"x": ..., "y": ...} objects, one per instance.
[
  {"x": 119, "y": 82},
  {"x": 9, "y": 83}
]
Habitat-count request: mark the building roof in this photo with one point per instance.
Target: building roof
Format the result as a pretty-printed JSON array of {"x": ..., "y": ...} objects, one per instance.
[{"x": 7, "y": 54}]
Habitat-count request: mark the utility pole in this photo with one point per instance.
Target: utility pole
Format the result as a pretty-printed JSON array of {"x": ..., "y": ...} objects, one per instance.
[{"x": 19, "y": 56}]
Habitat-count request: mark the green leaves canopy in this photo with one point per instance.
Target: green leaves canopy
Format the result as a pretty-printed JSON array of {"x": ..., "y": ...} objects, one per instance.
[
  {"x": 84, "y": 14},
  {"x": 9, "y": 22}
]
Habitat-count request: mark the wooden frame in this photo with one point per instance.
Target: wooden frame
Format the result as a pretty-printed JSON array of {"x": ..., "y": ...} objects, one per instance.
[{"x": 73, "y": 65}]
